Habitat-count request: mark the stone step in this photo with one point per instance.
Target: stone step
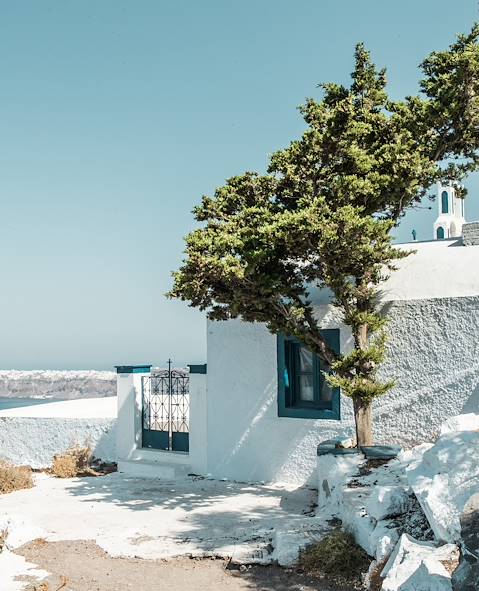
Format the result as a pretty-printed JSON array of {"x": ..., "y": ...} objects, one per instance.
[{"x": 142, "y": 468}]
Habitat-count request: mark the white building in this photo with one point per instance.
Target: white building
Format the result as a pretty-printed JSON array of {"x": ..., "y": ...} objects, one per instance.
[
  {"x": 253, "y": 416},
  {"x": 451, "y": 212}
]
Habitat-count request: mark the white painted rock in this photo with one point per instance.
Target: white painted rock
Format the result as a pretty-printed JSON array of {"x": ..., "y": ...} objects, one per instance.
[
  {"x": 334, "y": 471},
  {"x": 418, "y": 566},
  {"x": 412, "y": 457},
  {"x": 383, "y": 539},
  {"x": 388, "y": 501},
  {"x": 467, "y": 422},
  {"x": 294, "y": 536},
  {"x": 445, "y": 479}
]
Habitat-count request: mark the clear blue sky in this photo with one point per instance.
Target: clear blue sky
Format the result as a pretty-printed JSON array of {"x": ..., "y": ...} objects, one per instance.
[{"x": 117, "y": 116}]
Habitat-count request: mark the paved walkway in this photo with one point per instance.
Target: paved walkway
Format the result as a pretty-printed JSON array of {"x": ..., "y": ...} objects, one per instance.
[{"x": 153, "y": 519}]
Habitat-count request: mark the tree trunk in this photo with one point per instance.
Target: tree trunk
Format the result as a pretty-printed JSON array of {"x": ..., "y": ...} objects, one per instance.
[{"x": 363, "y": 414}]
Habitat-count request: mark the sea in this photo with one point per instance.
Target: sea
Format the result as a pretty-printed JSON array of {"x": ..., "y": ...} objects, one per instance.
[{"x": 18, "y": 402}]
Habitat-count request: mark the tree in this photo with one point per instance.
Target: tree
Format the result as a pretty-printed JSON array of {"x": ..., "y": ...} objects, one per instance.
[{"x": 322, "y": 215}]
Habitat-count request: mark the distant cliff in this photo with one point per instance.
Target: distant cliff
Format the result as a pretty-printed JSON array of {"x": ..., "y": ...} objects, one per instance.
[{"x": 66, "y": 385}]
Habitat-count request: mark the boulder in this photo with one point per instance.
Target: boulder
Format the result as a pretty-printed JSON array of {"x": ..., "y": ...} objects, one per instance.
[
  {"x": 383, "y": 539},
  {"x": 335, "y": 469},
  {"x": 291, "y": 537},
  {"x": 466, "y": 577},
  {"x": 444, "y": 479},
  {"x": 467, "y": 422},
  {"x": 388, "y": 501},
  {"x": 418, "y": 566}
]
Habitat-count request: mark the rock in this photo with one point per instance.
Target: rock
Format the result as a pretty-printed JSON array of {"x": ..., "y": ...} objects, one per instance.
[
  {"x": 424, "y": 578},
  {"x": 388, "y": 501},
  {"x": 383, "y": 539},
  {"x": 412, "y": 457},
  {"x": 381, "y": 452},
  {"x": 337, "y": 446},
  {"x": 466, "y": 577},
  {"x": 293, "y": 536},
  {"x": 467, "y": 422},
  {"x": 355, "y": 518},
  {"x": 418, "y": 566},
  {"x": 334, "y": 471},
  {"x": 470, "y": 526},
  {"x": 344, "y": 442},
  {"x": 445, "y": 478}
]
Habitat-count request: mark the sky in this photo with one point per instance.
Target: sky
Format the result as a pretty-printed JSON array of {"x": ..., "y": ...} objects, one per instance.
[{"x": 116, "y": 117}]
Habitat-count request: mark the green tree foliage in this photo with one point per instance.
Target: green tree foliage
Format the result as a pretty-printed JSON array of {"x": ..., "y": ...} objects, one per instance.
[{"x": 322, "y": 215}]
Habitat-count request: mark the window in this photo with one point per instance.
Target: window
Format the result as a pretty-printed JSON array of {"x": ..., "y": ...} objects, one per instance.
[
  {"x": 303, "y": 391},
  {"x": 444, "y": 202},
  {"x": 440, "y": 233}
]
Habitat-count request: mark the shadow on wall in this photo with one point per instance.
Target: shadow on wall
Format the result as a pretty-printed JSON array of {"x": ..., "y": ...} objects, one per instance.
[
  {"x": 289, "y": 445},
  {"x": 472, "y": 403}
]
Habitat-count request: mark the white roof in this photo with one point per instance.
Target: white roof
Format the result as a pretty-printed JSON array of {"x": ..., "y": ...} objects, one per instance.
[{"x": 438, "y": 269}]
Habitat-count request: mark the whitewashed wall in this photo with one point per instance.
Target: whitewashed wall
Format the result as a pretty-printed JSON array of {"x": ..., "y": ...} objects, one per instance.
[
  {"x": 433, "y": 354},
  {"x": 33, "y": 441},
  {"x": 433, "y": 305}
]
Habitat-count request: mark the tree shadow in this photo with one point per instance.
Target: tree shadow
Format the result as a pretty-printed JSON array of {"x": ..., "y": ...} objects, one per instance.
[
  {"x": 197, "y": 517},
  {"x": 189, "y": 493}
]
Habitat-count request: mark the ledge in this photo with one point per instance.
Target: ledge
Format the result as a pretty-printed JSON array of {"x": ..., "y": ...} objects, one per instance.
[
  {"x": 201, "y": 369},
  {"x": 330, "y": 447},
  {"x": 133, "y": 368},
  {"x": 376, "y": 452}
]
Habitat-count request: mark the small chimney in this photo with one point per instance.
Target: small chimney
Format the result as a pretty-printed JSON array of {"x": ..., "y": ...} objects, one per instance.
[{"x": 470, "y": 234}]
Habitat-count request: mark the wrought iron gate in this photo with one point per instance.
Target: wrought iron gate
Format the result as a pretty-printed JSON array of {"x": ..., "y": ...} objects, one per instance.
[{"x": 166, "y": 410}]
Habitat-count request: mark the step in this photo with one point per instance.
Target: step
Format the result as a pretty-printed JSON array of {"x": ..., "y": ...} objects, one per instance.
[
  {"x": 161, "y": 456},
  {"x": 167, "y": 469}
]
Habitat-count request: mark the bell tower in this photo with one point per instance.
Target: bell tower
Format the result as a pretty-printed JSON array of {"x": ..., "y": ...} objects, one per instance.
[{"x": 451, "y": 212}]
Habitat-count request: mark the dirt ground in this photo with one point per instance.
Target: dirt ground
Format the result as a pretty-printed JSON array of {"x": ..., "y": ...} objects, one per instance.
[{"x": 83, "y": 566}]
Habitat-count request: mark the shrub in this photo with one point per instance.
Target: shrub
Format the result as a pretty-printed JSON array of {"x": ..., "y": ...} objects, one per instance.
[
  {"x": 14, "y": 477},
  {"x": 3, "y": 539},
  {"x": 338, "y": 557},
  {"x": 73, "y": 462}
]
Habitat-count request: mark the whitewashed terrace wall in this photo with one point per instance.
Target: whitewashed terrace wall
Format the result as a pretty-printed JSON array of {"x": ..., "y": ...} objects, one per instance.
[
  {"x": 34, "y": 441},
  {"x": 433, "y": 355}
]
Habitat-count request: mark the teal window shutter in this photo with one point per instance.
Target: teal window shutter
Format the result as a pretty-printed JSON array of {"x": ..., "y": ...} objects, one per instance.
[{"x": 303, "y": 391}]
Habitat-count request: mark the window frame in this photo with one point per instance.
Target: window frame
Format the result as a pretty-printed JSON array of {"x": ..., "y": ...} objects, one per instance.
[
  {"x": 445, "y": 202},
  {"x": 288, "y": 406}
]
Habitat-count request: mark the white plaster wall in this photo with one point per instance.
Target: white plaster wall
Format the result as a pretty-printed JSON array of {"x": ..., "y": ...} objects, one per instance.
[
  {"x": 246, "y": 438},
  {"x": 129, "y": 398},
  {"x": 433, "y": 354},
  {"x": 198, "y": 424},
  {"x": 34, "y": 441}
]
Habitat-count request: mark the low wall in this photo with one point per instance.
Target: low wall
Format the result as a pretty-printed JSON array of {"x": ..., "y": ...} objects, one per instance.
[
  {"x": 32, "y": 435},
  {"x": 34, "y": 441}
]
